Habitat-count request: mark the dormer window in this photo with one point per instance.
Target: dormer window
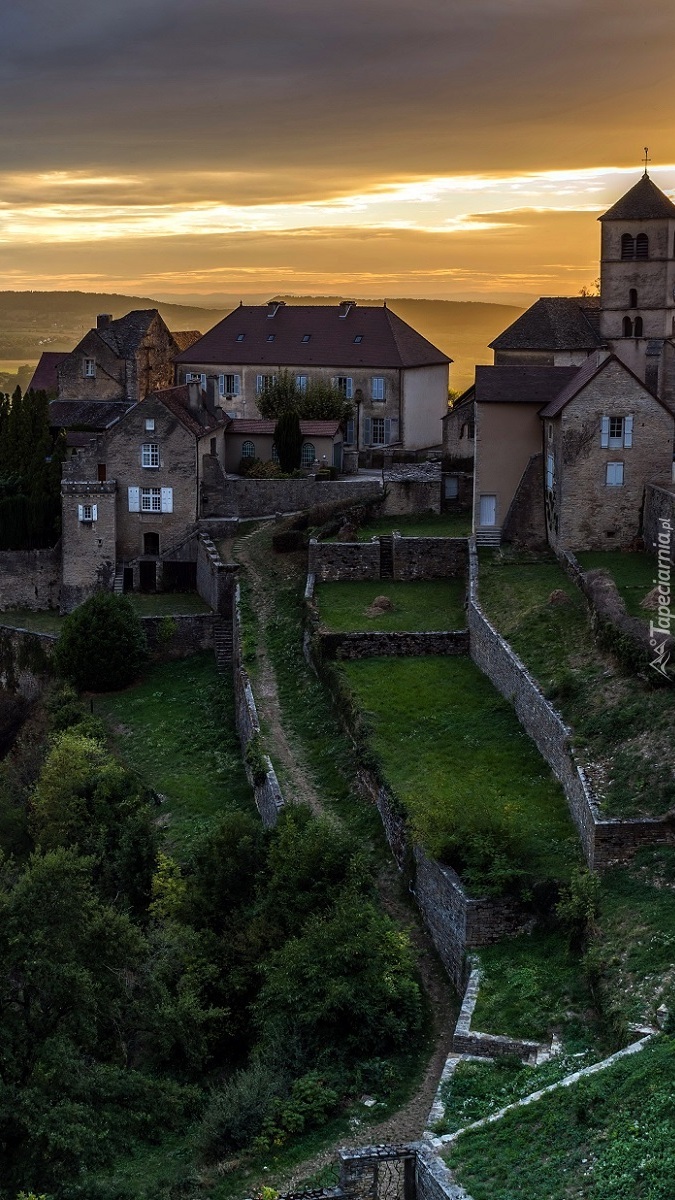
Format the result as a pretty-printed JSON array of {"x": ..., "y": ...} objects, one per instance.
[
  {"x": 271, "y": 337},
  {"x": 359, "y": 337},
  {"x": 306, "y": 337},
  {"x": 240, "y": 337},
  {"x": 89, "y": 368}
]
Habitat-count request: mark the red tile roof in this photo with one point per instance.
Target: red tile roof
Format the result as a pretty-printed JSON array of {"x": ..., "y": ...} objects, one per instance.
[
  {"x": 45, "y": 378},
  {"x": 184, "y": 338},
  {"x": 386, "y": 340},
  {"x": 262, "y": 427}
]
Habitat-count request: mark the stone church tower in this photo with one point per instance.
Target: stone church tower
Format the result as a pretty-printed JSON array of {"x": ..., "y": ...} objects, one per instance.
[{"x": 637, "y": 285}]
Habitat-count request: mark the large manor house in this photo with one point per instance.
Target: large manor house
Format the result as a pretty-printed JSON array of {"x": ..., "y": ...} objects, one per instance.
[{"x": 559, "y": 441}]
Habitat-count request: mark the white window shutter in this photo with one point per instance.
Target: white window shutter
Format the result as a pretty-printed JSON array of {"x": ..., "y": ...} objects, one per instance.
[
  {"x": 237, "y": 385},
  {"x": 628, "y": 431},
  {"x": 604, "y": 432},
  {"x": 80, "y": 512},
  {"x": 390, "y": 430},
  {"x": 167, "y": 500},
  {"x": 94, "y": 512},
  {"x": 134, "y": 499},
  {"x": 368, "y": 432}
]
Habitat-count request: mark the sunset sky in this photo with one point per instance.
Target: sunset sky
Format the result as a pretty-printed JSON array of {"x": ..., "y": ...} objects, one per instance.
[{"x": 442, "y": 148}]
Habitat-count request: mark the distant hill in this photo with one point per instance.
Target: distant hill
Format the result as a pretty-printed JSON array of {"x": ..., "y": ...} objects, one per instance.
[{"x": 31, "y": 322}]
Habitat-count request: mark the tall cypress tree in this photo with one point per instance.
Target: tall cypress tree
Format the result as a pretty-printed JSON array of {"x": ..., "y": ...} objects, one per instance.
[{"x": 288, "y": 441}]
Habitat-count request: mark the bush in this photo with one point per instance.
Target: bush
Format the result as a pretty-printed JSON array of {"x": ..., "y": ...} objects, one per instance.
[
  {"x": 237, "y": 1112},
  {"x": 102, "y": 646}
]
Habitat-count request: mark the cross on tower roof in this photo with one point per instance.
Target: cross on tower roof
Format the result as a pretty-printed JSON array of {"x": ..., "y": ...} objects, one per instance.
[{"x": 647, "y": 159}]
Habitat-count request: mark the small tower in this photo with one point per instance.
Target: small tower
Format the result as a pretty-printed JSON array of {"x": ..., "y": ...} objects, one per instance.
[{"x": 637, "y": 278}]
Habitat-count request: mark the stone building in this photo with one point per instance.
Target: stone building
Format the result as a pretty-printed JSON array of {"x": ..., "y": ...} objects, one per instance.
[
  {"x": 397, "y": 380},
  {"x": 321, "y": 443},
  {"x": 132, "y": 497},
  {"x": 114, "y": 366}
]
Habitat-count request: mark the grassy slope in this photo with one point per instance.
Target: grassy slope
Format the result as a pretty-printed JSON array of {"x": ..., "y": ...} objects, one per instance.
[
  {"x": 623, "y": 726},
  {"x": 176, "y": 728},
  {"x": 633, "y": 575},
  {"x": 438, "y": 604},
  {"x": 448, "y": 742},
  {"x": 608, "y": 1137}
]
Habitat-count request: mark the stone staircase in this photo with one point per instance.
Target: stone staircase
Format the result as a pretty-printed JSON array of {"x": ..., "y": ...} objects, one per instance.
[
  {"x": 386, "y": 558},
  {"x": 489, "y": 537},
  {"x": 223, "y": 644},
  {"x": 118, "y": 585}
]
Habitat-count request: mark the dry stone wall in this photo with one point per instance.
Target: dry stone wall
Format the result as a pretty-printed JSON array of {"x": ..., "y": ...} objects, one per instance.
[
  {"x": 177, "y": 637},
  {"x": 25, "y": 660},
  {"x": 30, "y": 579},
  {"x": 413, "y": 558},
  {"x": 268, "y": 796},
  {"x": 394, "y": 645},
  {"x": 264, "y": 497}
]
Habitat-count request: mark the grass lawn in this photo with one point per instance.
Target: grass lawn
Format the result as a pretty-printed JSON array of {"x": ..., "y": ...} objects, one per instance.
[
  {"x": 48, "y": 621},
  {"x": 624, "y": 728},
  {"x": 418, "y": 605},
  {"x": 632, "y": 573},
  {"x": 419, "y": 525},
  {"x": 531, "y": 986},
  {"x": 453, "y": 753},
  {"x": 608, "y": 1137},
  {"x": 176, "y": 728},
  {"x": 163, "y": 604}
]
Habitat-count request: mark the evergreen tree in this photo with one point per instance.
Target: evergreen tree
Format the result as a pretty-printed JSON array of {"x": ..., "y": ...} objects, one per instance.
[{"x": 288, "y": 441}]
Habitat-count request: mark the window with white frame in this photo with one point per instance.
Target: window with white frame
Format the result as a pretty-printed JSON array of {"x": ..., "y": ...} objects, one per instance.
[
  {"x": 378, "y": 387},
  {"x": 614, "y": 474},
  {"x": 263, "y": 383},
  {"x": 378, "y": 431},
  {"x": 150, "y": 425},
  {"x": 345, "y": 384},
  {"x": 87, "y": 513},
  {"x": 301, "y": 382},
  {"x": 307, "y": 454},
  {"x": 229, "y": 385},
  {"x": 248, "y": 449},
  {"x": 150, "y": 454},
  {"x": 151, "y": 499},
  {"x": 89, "y": 368},
  {"x": 616, "y": 432}
]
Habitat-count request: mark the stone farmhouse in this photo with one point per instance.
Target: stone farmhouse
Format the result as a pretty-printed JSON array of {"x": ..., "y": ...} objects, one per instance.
[
  {"x": 575, "y": 419},
  {"x": 397, "y": 380}
]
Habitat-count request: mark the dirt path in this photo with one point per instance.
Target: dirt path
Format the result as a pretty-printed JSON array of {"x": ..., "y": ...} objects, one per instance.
[{"x": 410, "y": 1121}]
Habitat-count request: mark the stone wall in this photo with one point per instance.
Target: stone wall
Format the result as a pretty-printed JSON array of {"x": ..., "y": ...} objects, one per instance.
[
  {"x": 268, "y": 797},
  {"x": 605, "y": 841},
  {"x": 525, "y": 522},
  {"x": 413, "y": 558},
  {"x": 411, "y": 489},
  {"x": 24, "y": 660},
  {"x": 433, "y": 1180},
  {"x": 215, "y": 579},
  {"x": 30, "y": 578},
  {"x": 178, "y": 637},
  {"x": 395, "y": 645},
  {"x": 264, "y": 497}
]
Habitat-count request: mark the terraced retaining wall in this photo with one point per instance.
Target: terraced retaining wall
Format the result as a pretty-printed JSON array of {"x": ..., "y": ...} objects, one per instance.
[
  {"x": 393, "y": 644},
  {"x": 268, "y": 797},
  {"x": 412, "y": 558},
  {"x": 605, "y": 841}
]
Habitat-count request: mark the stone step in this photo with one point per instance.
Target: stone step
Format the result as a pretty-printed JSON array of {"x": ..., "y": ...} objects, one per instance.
[{"x": 489, "y": 537}]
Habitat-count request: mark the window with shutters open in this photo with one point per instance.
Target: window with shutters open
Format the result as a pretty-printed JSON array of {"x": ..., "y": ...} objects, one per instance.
[
  {"x": 87, "y": 513},
  {"x": 616, "y": 432},
  {"x": 229, "y": 385}
]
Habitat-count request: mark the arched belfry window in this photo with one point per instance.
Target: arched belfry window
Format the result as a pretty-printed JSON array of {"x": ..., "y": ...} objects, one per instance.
[
  {"x": 627, "y": 246},
  {"x": 632, "y": 298},
  {"x": 637, "y": 327},
  {"x": 627, "y": 327},
  {"x": 642, "y": 246}
]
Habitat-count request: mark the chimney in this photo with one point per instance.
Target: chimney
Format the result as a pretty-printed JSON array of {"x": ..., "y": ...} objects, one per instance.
[
  {"x": 344, "y": 306},
  {"x": 194, "y": 389},
  {"x": 273, "y": 307},
  {"x": 212, "y": 396},
  {"x": 103, "y": 319}
]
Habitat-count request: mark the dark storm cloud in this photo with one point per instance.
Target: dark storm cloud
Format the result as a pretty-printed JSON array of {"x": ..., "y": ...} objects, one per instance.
[{"x": 356, "y": 90}]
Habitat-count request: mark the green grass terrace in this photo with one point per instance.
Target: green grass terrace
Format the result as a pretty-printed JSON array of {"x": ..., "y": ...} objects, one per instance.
[
  {"x": 418, "y": 525},
  {"x": 476, "y": 791},
  {"x": 417, "y": 605},
  {"x": 624, "y": 728},
  {"x": 633, "y": 573},
  {"x": 147, "y": 604}
]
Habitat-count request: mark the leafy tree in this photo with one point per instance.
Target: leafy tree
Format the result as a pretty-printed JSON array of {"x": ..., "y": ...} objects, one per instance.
[
  {"x": 102, "y": 645},
  {"x": 319, "y": 402},
  {"x": 288, "y": 441}
]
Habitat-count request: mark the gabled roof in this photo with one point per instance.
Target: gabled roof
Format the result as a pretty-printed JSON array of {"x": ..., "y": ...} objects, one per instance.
[
  {"x": 644, "y": 202},
  {"x": 553, "y": 323},
  {"x": 515, "y": 383},
  {"x": 184, "y": 338},
  {"x": 277, "y": 341},
  {"x": 583, "y": 375},
  {"x": 45, "y": 378},
  {"x": 263, "y": 427},
  {"x": 95, "y": 415},
  {"x": 197, "y": 420},
  {"x": 126, "y": 333}
]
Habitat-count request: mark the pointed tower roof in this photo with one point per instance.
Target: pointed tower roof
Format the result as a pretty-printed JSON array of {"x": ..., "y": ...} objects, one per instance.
[{"x": 644, "y": 202}]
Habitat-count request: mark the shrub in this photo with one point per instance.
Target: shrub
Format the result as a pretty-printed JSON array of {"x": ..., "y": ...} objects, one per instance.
[
  {"x": 256, "y": 759},
  {"x": 102, "y": 646},
  {"x": 237, "y": 1112}
]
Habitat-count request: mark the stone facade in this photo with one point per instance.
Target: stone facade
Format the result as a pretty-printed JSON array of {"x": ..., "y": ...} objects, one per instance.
[
  {"x": 525, "y": 522},
  {"x": 30, "y": 578},
  {"x": 412, "y": 558},
  {"x": 411, "y": 489},
  {"x": 145, "y": 363},
  {"x": 584, "y": 510},
  {"x": 659, "y": 506},
  {"x": 264, "y": 497},
  {"x": 395, "y": 645},
  {"x": 88, "y": 546}
]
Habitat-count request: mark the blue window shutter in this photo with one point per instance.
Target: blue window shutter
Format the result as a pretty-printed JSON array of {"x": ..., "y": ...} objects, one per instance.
[
  {"x": 94, "y": 512},
  {"x": 368, "y": 432},
  {"x": 350, "y": 432},
  {"x": 221, "y": 385},
  {"x": 237, "y": 385},
  {"x": 628, "y": 431},
  {"x": 604, "y": 432}
]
